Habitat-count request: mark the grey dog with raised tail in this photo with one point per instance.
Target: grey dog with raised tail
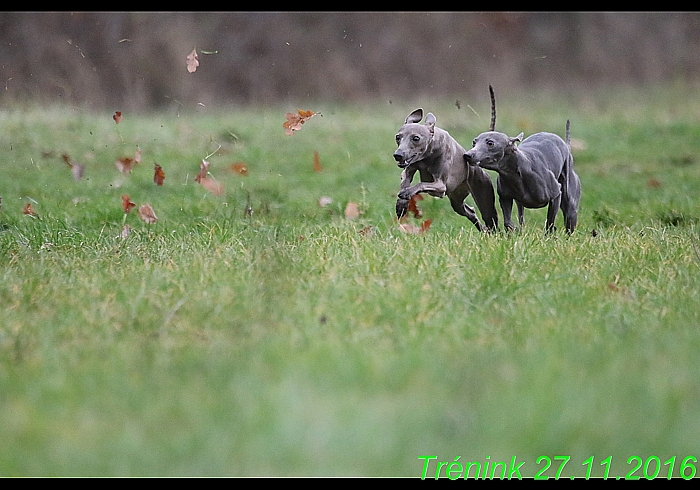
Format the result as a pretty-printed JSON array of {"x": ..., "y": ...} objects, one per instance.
[
  {"x": 537, "y": 173},
  {"x": 438, "y": 158}
]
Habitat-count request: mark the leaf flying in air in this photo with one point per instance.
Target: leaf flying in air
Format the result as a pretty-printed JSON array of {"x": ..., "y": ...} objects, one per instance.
[
  {"x": 216, "y": 188},
  {"x": 208, "y": 183},
  {"x": 413, "y": 206},
  {"x": 147, "y": 214},
  {"x": 203, "y": 170},
  {"x": 240, "y": 168},
  {"x": 317, "y": 162},
  {"x": 415, "y": 230},
  {"x": 126, "y": 164},
  {"x": 76, "y": 169},
  {"x": 29, "y": 210},
  {"x": 158, "y": 175},
  {"x": 352, "y": 210},
  {"x": 324, "y": 201},
  {"x": 294, "y": 122},
  {"x": 127, "y": 205},
  {"x": 192, "y": 62},
  {"x": 117, "y": 116}
]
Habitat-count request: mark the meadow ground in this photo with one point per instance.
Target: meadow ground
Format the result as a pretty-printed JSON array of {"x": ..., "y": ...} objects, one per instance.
[{"x": 256, "y": 332}]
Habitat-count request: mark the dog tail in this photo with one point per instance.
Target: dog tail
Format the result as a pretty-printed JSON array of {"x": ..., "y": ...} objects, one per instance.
[
  {"x": 493, "y": 109},
  {"x": 568, "y": 134}
]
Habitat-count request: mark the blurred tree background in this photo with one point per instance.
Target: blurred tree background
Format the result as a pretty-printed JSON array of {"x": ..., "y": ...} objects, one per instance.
[{"x": 136, "y": 61}]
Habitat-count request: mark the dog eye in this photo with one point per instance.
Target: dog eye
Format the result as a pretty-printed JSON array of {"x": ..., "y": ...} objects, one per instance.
[
  {"x": 398, "y": 138},
  {"x": 474, "y": 143},
  {"x": 416, "y": 139},
  {"x": 489, "y": 143}
]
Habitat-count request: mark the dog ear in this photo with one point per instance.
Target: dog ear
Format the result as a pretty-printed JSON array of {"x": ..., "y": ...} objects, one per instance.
[
  {"x": 415, "y": 116},
  {"x": 511, "y": 143},
  {"x": 430, "y": 121}
]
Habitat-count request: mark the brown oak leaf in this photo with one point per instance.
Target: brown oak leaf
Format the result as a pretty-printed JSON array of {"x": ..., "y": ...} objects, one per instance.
[
  {"x": 126, "y": 164},
  {"x": 76, "y": 169},
  {"x": 415, "y": 230},
  {"x": 158, "y": 175},
  {"x": 203, "y": 170},
  {"x": 216, "y": 188},
  {"x": 352, "y": 210},
  {"x": 147, "y": 214},
  {"x": 294, "y": 122},
  {"x": 240, "y": 168},
  {"x": 413, "y": 206},
  {"x": 127, "y": 205},
  {"x": 29, "y": 210}
]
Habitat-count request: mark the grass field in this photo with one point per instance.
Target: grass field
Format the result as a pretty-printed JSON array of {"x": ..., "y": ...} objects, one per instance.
[{"x": 258, "y": 333}]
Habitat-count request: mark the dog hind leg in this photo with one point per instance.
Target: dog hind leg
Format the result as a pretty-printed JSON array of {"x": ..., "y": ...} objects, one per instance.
[{"x": 463, "y": 209}]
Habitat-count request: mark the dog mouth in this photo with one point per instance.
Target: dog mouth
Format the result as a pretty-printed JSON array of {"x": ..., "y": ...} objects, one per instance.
[
  {"x": 471, "y": 160},
  {"x": 485, "y": 163},
  {"x": 405, "y": 162}
]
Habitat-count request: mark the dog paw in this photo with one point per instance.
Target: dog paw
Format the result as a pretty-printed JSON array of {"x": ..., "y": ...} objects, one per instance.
[
  {"x": 405, "y": 194},
  {"x": 401, "y": 207}
]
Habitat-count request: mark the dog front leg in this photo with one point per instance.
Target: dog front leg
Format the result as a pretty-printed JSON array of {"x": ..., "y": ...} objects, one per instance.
[
  {"x": 402, "y": 203},
  {"x": 507, "y": 208},
  {"x": 436, "y": 189}
]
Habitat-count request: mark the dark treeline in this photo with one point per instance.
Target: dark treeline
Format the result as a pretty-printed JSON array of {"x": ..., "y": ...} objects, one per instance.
[{"x": 137, "y": 60}]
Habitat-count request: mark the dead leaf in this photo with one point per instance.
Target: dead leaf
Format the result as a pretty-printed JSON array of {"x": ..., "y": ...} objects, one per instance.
[
  {"x": 212, "y": 186},
  {"x": 125, "y": 231},
  {"x": 294, "y": 122},
  {"x": 458, "y": 104},
  {"x": 203, "y": 170},
  {"x": 654, "y": 183},
  {"x": 415, "y": 230},
  {"x": 352, "y": 210},
  {"x": 208, "y": 183},
  {"x": 158, "y": 175},
  {"x": 367, "y": 231},
  {"x": 413, "y": 207},
  {"x": 126, "y": 164},
  {"x": 76, "y": 169},
  {"x": 147, "y": 214},
  {"x": 29, "y": 210},
  {"x": 117, "y": 116},
  {"x": 127, "y": 205},
  {"x": 240, "y": 168},
  {"x": 317, "y": 162},
  {"x": 192, "y": 62},
  {"x": 324, "y": 201}
]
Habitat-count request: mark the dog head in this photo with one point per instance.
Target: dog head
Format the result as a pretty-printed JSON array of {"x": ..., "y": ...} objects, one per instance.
[
  {"x": 491, "y": 147},
  {"x": 414, "y": 139}
]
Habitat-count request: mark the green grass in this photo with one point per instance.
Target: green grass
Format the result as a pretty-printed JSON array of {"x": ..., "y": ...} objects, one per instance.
[{"x": 286, "y": 342}]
